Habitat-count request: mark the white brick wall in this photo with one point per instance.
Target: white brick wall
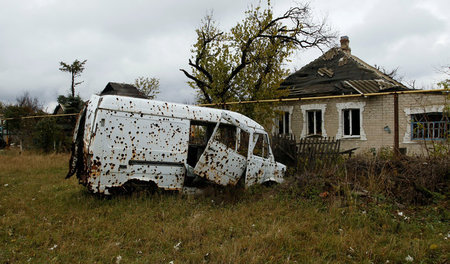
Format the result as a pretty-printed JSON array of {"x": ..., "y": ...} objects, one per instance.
[{"x": 377, "y": 119}]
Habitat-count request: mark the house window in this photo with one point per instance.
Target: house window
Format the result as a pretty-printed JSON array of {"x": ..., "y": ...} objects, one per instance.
[
  {"x": 314, "y": 120},
  {"x": 429, "y": 126},
  {"x": 284, "y": 123},
  {"x": 351, "y": 122}
]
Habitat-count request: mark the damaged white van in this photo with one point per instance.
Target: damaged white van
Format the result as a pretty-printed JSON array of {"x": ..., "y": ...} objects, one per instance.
[{"x": 120, "y": 140}]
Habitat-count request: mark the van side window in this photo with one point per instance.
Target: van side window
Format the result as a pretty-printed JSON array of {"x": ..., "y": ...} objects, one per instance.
[
  {"x": 226, "y": 134},
  {"x": 262, "y": 146},
  {"x": 243, "y": 143}
]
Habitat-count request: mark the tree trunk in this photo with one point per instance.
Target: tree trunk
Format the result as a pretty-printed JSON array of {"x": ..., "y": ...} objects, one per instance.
[{"x": 73, "y": 84}]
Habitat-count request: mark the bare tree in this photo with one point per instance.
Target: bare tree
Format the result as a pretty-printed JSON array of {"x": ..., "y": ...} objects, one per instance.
[
  {"x": 393, "y": 74},
  {"x": 31, "y": 105}
]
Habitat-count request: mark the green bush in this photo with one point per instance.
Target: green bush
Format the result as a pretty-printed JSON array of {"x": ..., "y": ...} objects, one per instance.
[{"x": 47, "y": 134}]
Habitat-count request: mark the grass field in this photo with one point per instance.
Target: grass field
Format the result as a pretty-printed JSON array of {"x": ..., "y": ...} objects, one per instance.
[{"x": 47, "y": 219}]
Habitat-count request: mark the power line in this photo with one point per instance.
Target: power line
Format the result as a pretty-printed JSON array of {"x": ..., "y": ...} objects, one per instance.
[
  {"x": 38, "y": 116},
  {"x": 267, "y": 101}
]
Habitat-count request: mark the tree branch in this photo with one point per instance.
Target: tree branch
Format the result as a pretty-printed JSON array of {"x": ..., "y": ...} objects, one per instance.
[
  {"x": 201, "y": 85},
  {"x": 201, "y": 69}
]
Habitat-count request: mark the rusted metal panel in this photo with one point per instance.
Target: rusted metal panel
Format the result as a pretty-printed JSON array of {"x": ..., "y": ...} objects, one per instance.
[
  {"x": 220, "y": 164},
  {"x": 121, "y": 139},
  {"x": 129, "y": 146},
  {"x": 260, "y": 170},
  {"x": 261, "y": 165}
]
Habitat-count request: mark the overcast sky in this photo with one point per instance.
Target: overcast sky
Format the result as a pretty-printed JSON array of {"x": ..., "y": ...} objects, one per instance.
[{"x": 122, "y": 40}]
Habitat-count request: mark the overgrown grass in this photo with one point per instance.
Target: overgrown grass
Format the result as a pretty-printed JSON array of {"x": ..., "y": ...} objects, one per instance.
[
  {"x": 405, "y": 180},
  {"x": 46, "y": 219}
]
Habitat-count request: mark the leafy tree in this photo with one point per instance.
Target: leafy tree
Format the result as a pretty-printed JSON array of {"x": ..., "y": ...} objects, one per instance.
[
  {"x": 22, "y": 129},
  {"x": 147, "y": 86},
  {"x": 71, "y": 105},
  {"x": 76, "y": 68},
  {"x": 247, "y": 63},
  {"x": 47, "y": 134},
  {"x": 445, "y": 84},
  {"x": 2, "y": 141}
]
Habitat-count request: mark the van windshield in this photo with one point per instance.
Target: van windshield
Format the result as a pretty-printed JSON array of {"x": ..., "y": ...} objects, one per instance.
[{"x": 261, "y": 148}]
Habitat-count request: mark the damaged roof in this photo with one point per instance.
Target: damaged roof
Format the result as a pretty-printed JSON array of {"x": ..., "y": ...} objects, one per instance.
[
  {"x": 122, "y": 89},
  {"x": 338, "y": 72}
]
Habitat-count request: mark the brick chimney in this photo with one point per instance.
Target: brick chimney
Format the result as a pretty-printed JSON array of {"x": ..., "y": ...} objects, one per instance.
[{"x": 344, "y": 44}]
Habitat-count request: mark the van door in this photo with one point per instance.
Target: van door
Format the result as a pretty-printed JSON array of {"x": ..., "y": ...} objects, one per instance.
[
  {"x": 260, "y": 162},
  {"x": 221, "y": 162},
  {"x": 254, "y": 144}
]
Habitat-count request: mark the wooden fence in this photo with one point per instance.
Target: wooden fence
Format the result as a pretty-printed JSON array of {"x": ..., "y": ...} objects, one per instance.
[
  {"x": 284, "y": 149},
  {"x": 309, "y": 153},
  {"x": 316, "y": 152}
]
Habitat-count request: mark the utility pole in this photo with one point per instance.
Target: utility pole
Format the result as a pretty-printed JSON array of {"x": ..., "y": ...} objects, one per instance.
[{"x": 396, "y": 142}]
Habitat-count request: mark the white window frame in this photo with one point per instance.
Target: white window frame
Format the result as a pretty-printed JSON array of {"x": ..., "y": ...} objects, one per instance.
[
  {"x": 348, "y": 106},
  {"x": 314, "y": 122},
  {"x": 350, "y": 122},
  {"x": 284, "y": 109},
  {"x": 407, "y": 138},
  {"x": 313, "y": 107}
]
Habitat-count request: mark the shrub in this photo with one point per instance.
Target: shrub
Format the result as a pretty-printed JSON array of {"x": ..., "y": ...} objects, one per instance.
[
  {"x": 407, "y": 180},
  {"x": 47, "y": 134}
]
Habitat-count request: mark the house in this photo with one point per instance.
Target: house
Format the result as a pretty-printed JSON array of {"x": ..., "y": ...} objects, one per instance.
[
  {"x": 59, "y": 109},
  {"x": 339, "y": 95},
  {"x": 111, "y": 88},
  {"x": 122, "y": 89}
]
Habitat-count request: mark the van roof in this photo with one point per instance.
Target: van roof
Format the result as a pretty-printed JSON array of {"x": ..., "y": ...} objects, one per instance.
[{"x": 159, "y": 108}]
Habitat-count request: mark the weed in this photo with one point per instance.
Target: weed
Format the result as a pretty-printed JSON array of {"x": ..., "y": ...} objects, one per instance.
[{"x": 46, "y": 219}]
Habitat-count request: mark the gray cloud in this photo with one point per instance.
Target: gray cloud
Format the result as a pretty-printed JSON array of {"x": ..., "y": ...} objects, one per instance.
[
  {"x": 125, "y": 39},
  {"x": 403, "y": 34}
]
